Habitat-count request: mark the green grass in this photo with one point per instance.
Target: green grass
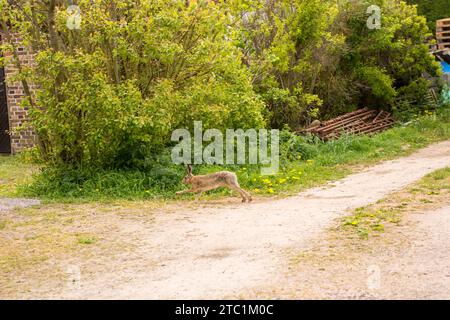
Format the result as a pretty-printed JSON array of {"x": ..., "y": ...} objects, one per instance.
[
  {"x": 14, "y": 171},
  {"x": 86, "y": 239},
  {"x": 306, "y": 162}
]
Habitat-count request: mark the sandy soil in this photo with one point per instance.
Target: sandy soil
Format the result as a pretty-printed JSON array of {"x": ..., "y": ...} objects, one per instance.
[{"x": 215, "y": 252}]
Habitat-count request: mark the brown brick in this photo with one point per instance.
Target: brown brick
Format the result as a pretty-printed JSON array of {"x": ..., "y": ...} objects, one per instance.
[{"x": 18, "y": 115}]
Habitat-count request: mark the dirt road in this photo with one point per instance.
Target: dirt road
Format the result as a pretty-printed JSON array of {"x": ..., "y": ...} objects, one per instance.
[
  {"x": 212, "y": 253},
  {"x": 218, "y": 252},
  {"x": 408, "y": 261}
]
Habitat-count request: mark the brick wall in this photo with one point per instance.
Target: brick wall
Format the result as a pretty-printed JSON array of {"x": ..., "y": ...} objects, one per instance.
[{"x": 22, "y": 135}]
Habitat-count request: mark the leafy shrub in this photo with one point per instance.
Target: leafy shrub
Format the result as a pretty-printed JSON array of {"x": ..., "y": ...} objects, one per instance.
[
  {"x": 380, "y": 90},
  {"x": 433, "y": 10},
  {"x": 294, "y": 147},
  {"x": 376, "y": 66},
  {"x": 111, "y": 93},
  {"x": 412, "y": 100},
  {"x": 76, "y": 182}
]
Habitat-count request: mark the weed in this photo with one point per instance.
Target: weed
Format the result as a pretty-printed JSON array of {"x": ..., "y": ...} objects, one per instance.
[{"x": 86, "y": 239}]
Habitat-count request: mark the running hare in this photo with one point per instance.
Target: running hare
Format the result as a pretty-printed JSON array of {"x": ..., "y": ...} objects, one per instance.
[{"x": 212, "y": 181}]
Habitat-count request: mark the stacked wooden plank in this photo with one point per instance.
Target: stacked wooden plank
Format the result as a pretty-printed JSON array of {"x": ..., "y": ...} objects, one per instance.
[
  {"x": 362, "y": 121},
  {"x": 443, "y": 34}
]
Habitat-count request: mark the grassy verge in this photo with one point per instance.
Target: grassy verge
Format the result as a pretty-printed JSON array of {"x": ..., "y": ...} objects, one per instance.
[
  {"x": 305, "y": 162},
  {"x": 432, "y": 189},
  {"x": 14, "y": 171}
]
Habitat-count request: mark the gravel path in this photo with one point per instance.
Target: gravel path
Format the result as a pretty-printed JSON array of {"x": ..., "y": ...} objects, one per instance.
[
  {"x": 7, "y": 204},
  {"x": 220, "y": 252},
  {"x": 420, "y": 270},
  {"x": 409, "y": 261}
]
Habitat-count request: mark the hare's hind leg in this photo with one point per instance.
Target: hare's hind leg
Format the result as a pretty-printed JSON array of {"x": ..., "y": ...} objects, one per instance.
[
  {"x": 232, "y": 183},
  {"x": 244, "y": 195},
  {"x": 247, "y": 194},
  {"x": 198, "y": 195},
  {"x": 244, "y": 198}
]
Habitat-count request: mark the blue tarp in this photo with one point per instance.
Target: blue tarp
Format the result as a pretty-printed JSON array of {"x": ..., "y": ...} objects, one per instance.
[{"x": 445, "y": 67}]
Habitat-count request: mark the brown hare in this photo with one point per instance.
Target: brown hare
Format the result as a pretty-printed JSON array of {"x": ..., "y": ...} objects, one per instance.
[{"x": 212, "y": 181}]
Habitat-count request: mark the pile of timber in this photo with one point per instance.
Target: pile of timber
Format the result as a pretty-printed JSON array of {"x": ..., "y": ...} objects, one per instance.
[
  {"x": 443, "y": 34},
  {"x": 362, "y": 121}
]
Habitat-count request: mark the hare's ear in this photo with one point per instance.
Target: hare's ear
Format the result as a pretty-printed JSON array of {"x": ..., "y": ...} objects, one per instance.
[{"x": 189, "y": 170}]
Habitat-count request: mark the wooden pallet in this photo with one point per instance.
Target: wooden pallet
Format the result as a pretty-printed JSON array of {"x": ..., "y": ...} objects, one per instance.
[
  {"x": 443, "y": 34},
  {"x": 362, "y": 121}
]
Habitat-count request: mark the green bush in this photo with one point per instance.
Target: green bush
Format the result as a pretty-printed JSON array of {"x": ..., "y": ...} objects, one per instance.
[
  {"x": 111, "y": 93},
  {"x": 158, "y": 180},
  {"x": 295, "y": 147},
  {"x": 379, "y": 84},
  {"x": 433, "y": 10},
  {"x": 413, "y": 100}
]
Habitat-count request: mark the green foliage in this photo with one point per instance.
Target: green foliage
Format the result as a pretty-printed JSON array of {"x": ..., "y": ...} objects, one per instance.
[
  {"x": 413, "y": 100},
  {"x": 445, "y": 96},
  {"x": 379, "y": 85},
  {"x": 312, "y": 59},
  {"x": 86, "y": 239},
  {"x": 281, "y": 41},
  {"x": 158, "y": 179},
  {"x": 433, "y": 10},
  {"x": 112, "y": 92},
  {"x": 386, "y": 63},
  {"x": 14, "y": 171}
]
